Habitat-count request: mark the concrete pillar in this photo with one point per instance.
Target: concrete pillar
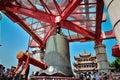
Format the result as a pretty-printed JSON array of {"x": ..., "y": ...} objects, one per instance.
[
  {"x": 101, "y": 58},
  {"x": 113, "y": 7}
]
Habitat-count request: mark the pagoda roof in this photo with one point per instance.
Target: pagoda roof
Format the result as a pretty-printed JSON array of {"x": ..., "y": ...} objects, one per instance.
[{"x": 84, "y": 54}]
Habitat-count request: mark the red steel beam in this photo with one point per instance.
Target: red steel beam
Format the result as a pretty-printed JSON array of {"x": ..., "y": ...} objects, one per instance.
[
  {"x": 33, "y": 44},
  {"x": 45, "y": 6},
  {"x": 70, "y": 8},
  {"x": 37, "y": 14},
  {"x": 18, "y": 66},
  {"x": 81, "y": 20},
  {"x": 32, "y": 4},
  {"x": 84, "y": 13},
  {"x": 99, "y": 13},
  {"x": 75, "y": 28},
  {"x": 57, "y": 6},
  {"x": 25, "y": 27},
  {"x": 85, "y": 39},
  {"x": 88, "y": 4},
  {"x": 105, "y": 35},
  {"x": 116, "y": 51}
]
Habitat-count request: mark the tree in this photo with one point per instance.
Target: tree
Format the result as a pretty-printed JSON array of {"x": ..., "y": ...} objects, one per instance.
[
  {"x": 115, "y": 64},
  {"x": 118, "y": 60}
]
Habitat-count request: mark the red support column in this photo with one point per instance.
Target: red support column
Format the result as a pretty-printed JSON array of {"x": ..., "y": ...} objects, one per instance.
[
  {"x": 99, "y": 14},
  {"x": 18, "y": 66},
  {"x": 26, "y": 65}
]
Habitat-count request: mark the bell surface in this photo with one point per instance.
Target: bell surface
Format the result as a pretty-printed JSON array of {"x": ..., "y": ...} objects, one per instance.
[{"x": 57, "y": 57}]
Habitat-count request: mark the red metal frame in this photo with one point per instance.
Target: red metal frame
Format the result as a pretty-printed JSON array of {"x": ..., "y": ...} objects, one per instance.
[
  {"x": 99, "y": 14},
  {"x": 70, "y": 8},
  {"x": 73, "y": 27},
  {"x": 69, "y": 17},
  {"x": 43, "y": 16}
]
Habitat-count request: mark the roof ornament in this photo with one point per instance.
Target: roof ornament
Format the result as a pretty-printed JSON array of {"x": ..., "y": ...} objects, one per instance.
[{"x": 85, "y": 52}]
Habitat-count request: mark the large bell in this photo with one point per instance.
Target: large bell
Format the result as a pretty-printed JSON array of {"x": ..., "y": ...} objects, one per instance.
[{"x": 57, "y": 57}]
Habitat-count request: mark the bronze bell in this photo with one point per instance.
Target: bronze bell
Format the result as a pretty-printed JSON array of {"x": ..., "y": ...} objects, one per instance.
[{"x": 57, "y": 57}]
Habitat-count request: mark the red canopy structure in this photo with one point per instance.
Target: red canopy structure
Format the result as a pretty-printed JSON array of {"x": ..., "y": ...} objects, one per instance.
[{"x": 80, "y": 20}]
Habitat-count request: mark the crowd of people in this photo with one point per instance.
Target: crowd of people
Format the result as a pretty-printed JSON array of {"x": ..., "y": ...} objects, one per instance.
[
  {"x": 6, "y": 74},
  {"x": 96, "y": 76},
  {"x": 9, "y": 74},
  {"x": 12, "y": 74}
]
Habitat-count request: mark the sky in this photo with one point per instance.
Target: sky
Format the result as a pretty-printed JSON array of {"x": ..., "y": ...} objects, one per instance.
[{"x": 14, "y": 39}]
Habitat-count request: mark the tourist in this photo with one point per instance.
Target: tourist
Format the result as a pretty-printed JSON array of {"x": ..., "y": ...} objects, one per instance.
[
  {"x": 1, "y": 72},
  {"x": 102, "y": 76},
  {"x": 81, "y": 76},
  {"x": 10, "y": 75},
  {"x": 97, "y": 77},
  {"x": 105, "y": 76},
  {"x": 92, "y": 76},
  {"x": 110, "y": 77},
  {"x": 87, "y": 76}
]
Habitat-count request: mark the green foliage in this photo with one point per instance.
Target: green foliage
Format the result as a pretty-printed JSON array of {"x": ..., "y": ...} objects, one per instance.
[
  {"x": 111, "y": 64},
  {"x": 115, "y": 64},
  {"x": 118, "y": 60}
]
